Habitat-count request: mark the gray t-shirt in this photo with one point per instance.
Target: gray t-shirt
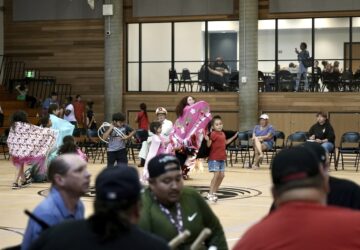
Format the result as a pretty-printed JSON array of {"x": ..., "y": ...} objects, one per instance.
[{"x": 116, "y": 142}]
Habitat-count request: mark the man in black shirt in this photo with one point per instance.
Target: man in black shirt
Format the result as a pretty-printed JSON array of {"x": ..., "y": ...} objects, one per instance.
[
  {"x": 113, "y": 225},
  {"x": 343, "y": 193},
  {"x": 322, "y": 132},
  {"x": 219, "y": 74}
]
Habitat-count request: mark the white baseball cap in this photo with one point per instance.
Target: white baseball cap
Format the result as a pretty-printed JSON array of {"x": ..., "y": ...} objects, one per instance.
[
  {"x": 264, "y": 116},
  {"x": 161, "y": 110}
]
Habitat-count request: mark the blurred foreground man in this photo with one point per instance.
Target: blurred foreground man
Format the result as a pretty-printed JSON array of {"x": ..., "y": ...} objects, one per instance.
[
  {"x": 302, "y": 220},
  {"x": 169, "y": 208},
  {"x": 112, "y": 226}
]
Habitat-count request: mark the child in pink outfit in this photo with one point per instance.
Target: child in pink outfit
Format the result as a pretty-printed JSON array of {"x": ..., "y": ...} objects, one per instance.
[{"x": 159, "y": 145}]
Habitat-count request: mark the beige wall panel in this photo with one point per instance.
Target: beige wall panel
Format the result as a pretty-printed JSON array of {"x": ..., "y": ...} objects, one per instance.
[
  {"x": 302, "y": 121},
  {"x": 344, "y": 122}
]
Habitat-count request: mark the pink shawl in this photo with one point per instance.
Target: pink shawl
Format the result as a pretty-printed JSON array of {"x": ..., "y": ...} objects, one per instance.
[
  {"x": 157, "y": 146},
  {"x": 27, "y": 141},
  {"x": 189, "y": 129}
]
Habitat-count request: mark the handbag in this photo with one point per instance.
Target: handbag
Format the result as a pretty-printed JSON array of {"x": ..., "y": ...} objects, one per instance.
[{"x": 308, "y": 62}]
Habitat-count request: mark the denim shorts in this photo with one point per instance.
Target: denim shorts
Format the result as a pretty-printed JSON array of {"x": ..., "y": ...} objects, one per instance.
[
  {"x": 216, "y": 166},
  {"x": 269, "y": 144}
]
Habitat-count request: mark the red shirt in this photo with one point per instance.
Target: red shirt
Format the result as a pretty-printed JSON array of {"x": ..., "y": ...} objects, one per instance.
[
  {"x": 79, "y": 110},
  {"x": 143, "y": 120},
  {"x": 304, "y": 225},
  {"x": 218, "y": 146}
]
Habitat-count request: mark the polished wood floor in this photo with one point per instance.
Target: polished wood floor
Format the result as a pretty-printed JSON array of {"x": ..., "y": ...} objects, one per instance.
[{"x": 246, "y": 199}]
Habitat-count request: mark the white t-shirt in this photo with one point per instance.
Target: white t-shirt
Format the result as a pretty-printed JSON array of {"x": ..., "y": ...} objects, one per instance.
[
  {"x": 71, "y": 116},
  {"x": 166, "y": 128}
]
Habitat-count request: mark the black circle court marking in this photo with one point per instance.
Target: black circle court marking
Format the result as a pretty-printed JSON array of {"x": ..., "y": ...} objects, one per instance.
[
  {"x": 229, "y": 193},
  {"x": 224, "y": 193},
  {"x": 11, "y": 230}
]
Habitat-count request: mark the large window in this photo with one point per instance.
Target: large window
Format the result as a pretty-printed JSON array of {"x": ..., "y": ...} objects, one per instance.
[
  {"x": 292, "y": 32},
  {"x": 266, "y": 46},
  {"x": 133, "y": 57},
  {"x": 331, "y": 40},
  {"x": 189, "y": 46},
  {"x": 156, "y": 56},
  {"x": 159, "y": 52},
  {"x": 355, "y": 53}
]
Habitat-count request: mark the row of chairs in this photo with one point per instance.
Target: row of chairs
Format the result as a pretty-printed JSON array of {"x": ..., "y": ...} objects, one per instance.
[
  {"x": 242, "y": 146},
  {"x": 345, "y": 81},
  {"x": 348, "y": 149},
  {"x": 185, "y": 83},
  {"x": 333, "y": 81}
]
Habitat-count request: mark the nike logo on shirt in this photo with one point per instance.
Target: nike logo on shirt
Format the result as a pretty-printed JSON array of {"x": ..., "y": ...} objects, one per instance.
[{"x": 192, "y": 217}]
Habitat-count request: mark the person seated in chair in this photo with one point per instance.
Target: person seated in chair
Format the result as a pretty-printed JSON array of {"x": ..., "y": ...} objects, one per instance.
[
  {"x": 315, "y": 85},
  {"x": 263, "y": 139},
  {"x": 322, "y": 132},
  {"x": 293, "y": 69},
  {"x": 219, "y": 74}
]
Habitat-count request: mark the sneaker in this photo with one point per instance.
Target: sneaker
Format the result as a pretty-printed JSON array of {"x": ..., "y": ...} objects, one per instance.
[
  {"x": 211, "y": 197},
  {"x": 15, "y": 186},
  {"x": 25, "y": 183},
  {"x": 255, "y": 167},
  {"x": 28, "y": 175},
  {"x": 215, "y": 197}
]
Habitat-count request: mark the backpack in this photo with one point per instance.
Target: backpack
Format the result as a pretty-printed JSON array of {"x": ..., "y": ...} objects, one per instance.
[{"x": 308, "y": 62}]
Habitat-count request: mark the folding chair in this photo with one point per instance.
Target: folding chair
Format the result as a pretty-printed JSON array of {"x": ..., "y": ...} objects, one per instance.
[
  {"x": 349, "y": 145},
  {"x": 296, "y": 138},
  {"x": 240, "y": 146}
]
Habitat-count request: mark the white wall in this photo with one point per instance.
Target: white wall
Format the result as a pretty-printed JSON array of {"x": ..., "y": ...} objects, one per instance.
[
  {"x": 156, "y": 38},
  {"x": 156, "y": 46},
  {"x": 329, "y": 44}
]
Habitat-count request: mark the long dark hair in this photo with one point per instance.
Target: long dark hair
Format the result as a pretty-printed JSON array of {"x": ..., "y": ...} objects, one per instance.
[
  {"x": 90, "y": 105},
  {"x": 180, "y": 107},
  {"x": 68, "y": 145},
  {"x": 18, "y": 116},
  {"x": 111, "y": 218},
  {"x": 143, "y": 108},
  {"x": 154, "y": 127}
]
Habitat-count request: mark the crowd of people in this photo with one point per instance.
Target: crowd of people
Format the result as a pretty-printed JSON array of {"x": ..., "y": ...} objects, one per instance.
[
  {"x": 167, "y": 214},
  {"x": 307, "y": 75}
]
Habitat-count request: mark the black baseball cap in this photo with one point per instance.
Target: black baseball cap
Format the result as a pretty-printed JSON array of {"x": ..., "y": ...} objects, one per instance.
[
  {"x": 118, "y": 184},
  {"x": 293, "y": 164},
  {"x": 159, "y": 165},
  {"x": 319, "y": 151}
]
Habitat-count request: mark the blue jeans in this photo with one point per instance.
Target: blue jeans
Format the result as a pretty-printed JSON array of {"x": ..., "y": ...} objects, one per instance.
[
  {"x": 269, "y": 144},
  {"x": 328, "y": 146},
  {"x": 302, "y": 72},
  {"x": 216, "y": 166},
  {"x": 92, "y": 133}
]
